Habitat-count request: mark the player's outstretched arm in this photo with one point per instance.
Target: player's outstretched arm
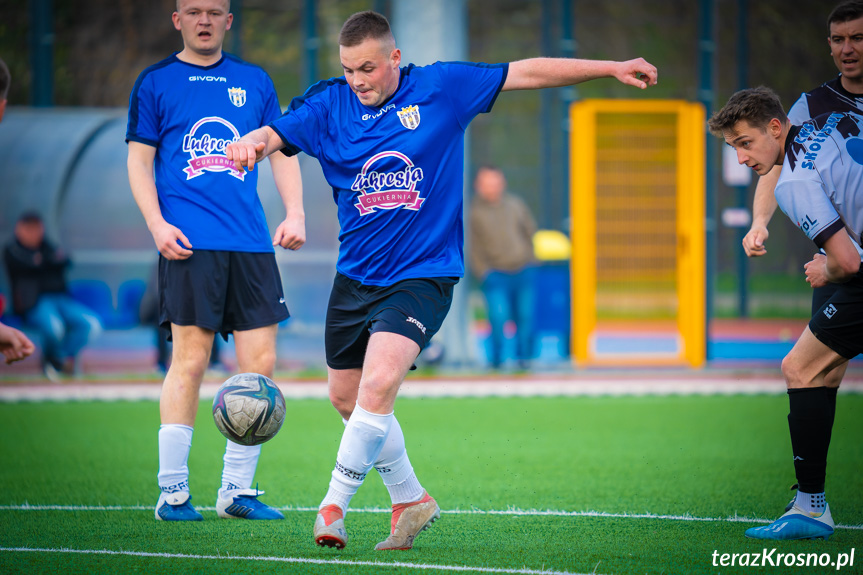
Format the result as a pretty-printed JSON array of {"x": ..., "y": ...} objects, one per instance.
[
  {"x": 536, "y": 73},
  {"x": 763, "y": 207},
  {"x": 253, "y": 147},
  {"x": 14, "y": 345},
  {"x": 291, "y": 233}
]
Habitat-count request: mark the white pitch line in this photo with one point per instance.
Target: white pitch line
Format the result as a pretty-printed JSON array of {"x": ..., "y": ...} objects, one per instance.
[
  {"x": 376, "y": 564},
  {"x": 508, "y": 512}
]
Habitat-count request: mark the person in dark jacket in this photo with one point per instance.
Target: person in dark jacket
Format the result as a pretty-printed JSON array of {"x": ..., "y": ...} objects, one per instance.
[{"x": 37, "y": 272}]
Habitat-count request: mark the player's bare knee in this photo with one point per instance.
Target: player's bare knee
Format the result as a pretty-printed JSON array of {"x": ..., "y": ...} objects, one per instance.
[
  {"x": 344, "y": 405},
  {"x": 797, "y": 376}
]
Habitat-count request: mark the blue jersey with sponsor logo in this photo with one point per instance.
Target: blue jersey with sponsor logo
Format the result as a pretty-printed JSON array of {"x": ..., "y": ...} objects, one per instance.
[
  {"x": 821, "y": 184},
  {"x": 190, "y": 113},
  {"x": 396, "y": 170}
]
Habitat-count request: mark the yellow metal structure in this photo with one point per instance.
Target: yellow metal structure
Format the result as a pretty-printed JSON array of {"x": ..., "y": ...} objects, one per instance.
[{"x": 638, "y": 242}]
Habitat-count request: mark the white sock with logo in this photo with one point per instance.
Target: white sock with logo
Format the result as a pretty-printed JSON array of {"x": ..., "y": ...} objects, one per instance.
[
  {"x": 394, "y": 467},
  {"x": 241, "y": 461},
  {"x": 360, "y": 447},
  {"x": 175, "y": 442}
]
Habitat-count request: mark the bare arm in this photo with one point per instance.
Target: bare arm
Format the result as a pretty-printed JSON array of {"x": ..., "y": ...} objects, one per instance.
[
  {"x": 143, "y": 184},
  {"x": 291, "y": 233},
  {"x": 763, "y": 207},
  {"x": 536, "y": 73},
  {"x": 253, "y": 147},
  {"x": 838, "y": 266}
]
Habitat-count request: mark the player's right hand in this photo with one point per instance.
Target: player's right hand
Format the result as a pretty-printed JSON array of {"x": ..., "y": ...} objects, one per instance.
[
  {"x": 245, "y": 154},
  {"x": 753, "y": 241},
  {"x": 14, "y": 344},
  {"x": 168, "y": 240}
]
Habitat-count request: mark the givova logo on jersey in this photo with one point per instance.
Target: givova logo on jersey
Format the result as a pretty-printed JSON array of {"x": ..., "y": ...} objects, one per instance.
[
  {"x": 388, "y": 181},
  {"x": 206, "y": 143}
]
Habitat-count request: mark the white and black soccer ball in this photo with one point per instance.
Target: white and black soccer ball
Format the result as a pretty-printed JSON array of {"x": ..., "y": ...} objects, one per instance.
[{"x": 249, "y": 409}]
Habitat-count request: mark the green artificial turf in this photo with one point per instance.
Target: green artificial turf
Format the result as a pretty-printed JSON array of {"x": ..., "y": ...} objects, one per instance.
[{"x": 493, "y": 464}]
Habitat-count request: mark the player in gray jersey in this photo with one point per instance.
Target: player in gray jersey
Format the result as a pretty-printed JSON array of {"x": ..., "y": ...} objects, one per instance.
[
  {"x": 844, "y": 93},
  {"x": 821, "y": 189}
]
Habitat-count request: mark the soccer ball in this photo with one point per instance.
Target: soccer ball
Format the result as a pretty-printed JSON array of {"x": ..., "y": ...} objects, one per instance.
[{"x": 249, "y": 409}]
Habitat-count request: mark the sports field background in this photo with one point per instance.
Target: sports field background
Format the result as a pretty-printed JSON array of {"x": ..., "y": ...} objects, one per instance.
[{"x": 636, "y": 483}]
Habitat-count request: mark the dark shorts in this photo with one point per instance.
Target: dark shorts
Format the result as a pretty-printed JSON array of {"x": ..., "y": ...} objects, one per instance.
[
  {"x": 221, "y": 291},
  {"x": 838, "y": 323},
  {"x": 414, "y": 308}
]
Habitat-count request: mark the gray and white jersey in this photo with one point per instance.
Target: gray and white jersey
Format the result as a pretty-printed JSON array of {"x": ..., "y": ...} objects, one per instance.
[
  {"x": 821, "y": 184},
  {"x": 829, "y": 97}
]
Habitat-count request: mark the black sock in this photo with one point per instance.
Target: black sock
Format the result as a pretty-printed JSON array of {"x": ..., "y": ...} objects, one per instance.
[{"x": 810, "y": 422}]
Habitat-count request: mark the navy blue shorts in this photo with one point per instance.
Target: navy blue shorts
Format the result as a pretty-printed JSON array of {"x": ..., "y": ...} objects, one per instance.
[
  {"x": 221, "y": 291},
  {"x": 838, "y": 323},
  {"x": 414, "y": 308}
]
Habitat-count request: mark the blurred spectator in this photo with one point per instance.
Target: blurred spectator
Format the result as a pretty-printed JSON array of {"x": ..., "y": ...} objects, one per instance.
[
  {"x": 37, "y": 272},
  {"x": 14, "y": 345},
  {"x": 501, "y": 230}
]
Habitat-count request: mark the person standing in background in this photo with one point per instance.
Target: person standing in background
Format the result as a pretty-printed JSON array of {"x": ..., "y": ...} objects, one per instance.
[{"x": 500, "y": 249}]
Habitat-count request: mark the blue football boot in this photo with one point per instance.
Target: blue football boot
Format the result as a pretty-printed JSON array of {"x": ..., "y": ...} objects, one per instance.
[
  {"x": 244, "y": 504},
  {"x": 176, "y": 507},
  {"x": 796, "y": 524}
]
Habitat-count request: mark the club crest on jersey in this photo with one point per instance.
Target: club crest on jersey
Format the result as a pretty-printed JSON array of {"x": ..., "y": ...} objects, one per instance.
[
  {"x": 206, "y": 143},
  {"x": 237, "y": 96},
  {"x": 410, "y": 117},
  {"x": 389, "y": 189}
]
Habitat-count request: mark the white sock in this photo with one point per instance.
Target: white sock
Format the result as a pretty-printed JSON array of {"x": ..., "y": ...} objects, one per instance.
[
  {"x": 812, "y": 502},
  {"x": 241, "y": 461},
  {"x": 175, "y": 442},
  {"x": 394, "y": 467},
  {"x": 360, "y": 447}
]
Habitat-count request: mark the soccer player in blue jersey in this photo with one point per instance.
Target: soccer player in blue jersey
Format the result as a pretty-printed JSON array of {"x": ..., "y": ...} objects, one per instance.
[
  {"x": 217, "y": 267},
  {"x": 820, "y": 188},
  {"x": 390, "y": 140},
  {"x": 844, "y": 93}
]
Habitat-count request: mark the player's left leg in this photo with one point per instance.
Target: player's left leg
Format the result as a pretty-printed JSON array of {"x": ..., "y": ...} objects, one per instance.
[
  {"x": 389, "y": 357},
  {"x": 253, "y": 307},
  {"x": 810, "y": 423},
  {"x": 393, "y": 464}
]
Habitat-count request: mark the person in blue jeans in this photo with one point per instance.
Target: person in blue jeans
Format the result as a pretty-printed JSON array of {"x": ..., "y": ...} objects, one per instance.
[
  {"x": 37, "y": 272},
  {"x": 501, "y": 257}
]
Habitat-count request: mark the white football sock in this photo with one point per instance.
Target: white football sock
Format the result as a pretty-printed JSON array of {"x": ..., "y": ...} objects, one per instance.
[
  {"x": 360, "y": 447},
  {"x": 811, "y": 502},
  {"x": 394, "y": 467},
  {"x": 241, "y": 461},
  {"x": 175, "y": 442}
]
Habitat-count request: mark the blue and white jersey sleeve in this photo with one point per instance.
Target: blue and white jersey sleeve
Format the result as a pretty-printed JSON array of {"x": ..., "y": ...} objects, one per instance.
[
  {"x": 821, "y": 184},
  {"x": 477, "y": 87},
  {"x": 799, "y": 112},
  {"x": 808, "y": 205},
  {"x": 305, "y": 121}
]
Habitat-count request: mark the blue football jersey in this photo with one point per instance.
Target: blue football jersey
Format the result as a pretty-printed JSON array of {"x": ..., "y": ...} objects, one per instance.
[
  {"x": 190, "y": 113},
  {"x": 821, "y": 184},
  {"x": 397, "y": 170}
]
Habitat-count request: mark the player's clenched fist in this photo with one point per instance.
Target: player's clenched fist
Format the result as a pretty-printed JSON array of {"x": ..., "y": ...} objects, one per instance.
[{"x": 245, "y": 154}]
